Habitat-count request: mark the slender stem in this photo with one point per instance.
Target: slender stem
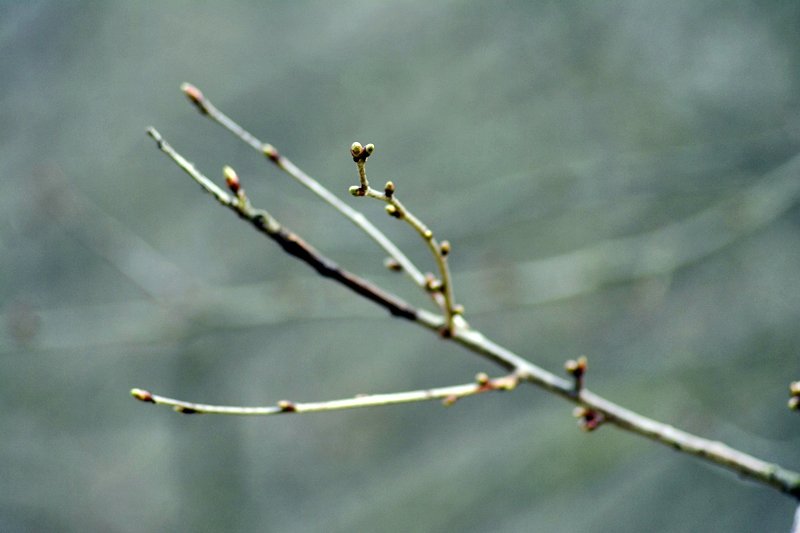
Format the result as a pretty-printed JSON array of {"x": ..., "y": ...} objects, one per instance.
[
  {"x": 208, "y": 109},
  {"x": 289, "y": 241},
  {"x": 398, "y": 210},
  {"x": 449, "y": 395},
  {"x": 770, "y": 474}
]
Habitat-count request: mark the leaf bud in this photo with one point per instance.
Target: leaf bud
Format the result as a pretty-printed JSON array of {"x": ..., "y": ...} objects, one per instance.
[{"x": 231, "y": 179}]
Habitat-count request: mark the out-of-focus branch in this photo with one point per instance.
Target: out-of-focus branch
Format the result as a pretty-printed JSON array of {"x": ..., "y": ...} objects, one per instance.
[
  {"x": 448, "y": 395},
  {"x": 595, "y": 410}
]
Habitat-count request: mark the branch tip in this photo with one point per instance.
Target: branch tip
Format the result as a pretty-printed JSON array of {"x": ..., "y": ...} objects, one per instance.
[
  {"x": 153, "y": 133},
  {"x": 361, "y": 153},
  {"x": 577, "y": 369},
  {"x": 356, "y": 190},
  {"x": 231, "y": 179},
  {"x": 195, "y": 96},
  {"x": 142, "y": 395}
]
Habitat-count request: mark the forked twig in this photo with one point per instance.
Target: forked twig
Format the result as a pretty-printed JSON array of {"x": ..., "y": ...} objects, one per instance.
[
  {"x": 595, "y": 410},
  {"x": 207, "y": 108},
  {"x": 396, "y": 209}
]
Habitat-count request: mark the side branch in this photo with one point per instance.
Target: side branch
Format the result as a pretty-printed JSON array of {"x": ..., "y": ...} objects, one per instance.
[
  {"x": 442, "y": 287},
  {"x": 770, "y": 474},
  {"x": 208, "y": 109},
  {"x": 448, "y": 395},
  {"x": 289, "y": 241}
]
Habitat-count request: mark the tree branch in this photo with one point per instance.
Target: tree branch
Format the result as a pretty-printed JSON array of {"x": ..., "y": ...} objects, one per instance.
[
  {"x": 394, "y": 208},
  {"x": 448, "y": 395},
  {"x": 289, "y": 241},
  {"x": 595, "y": 409},
  {"x": 208, "y": 109}
]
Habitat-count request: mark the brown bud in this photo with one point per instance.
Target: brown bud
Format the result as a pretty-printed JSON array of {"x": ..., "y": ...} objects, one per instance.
[
  {"x": 577, "y": 368},
  {"x": 142, "y": 395},
  {"x": 286, "y": 406},
  {"x": 195, "y": 96},
  {"x": 270, "y": 152},
  {"x": 589, "y": 419},
  {"x": 444, "y": 248},
  {"x": 392, "y": 264},
  {"x": 388, "y": 189},
  {"x": 231, "y": 179}
]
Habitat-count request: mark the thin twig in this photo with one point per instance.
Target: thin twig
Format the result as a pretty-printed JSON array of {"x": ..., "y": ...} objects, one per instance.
[
  {"x": 448, "y": 395},
  {"x": 208, "y": 109},
  {"x": 289, "y": 241},
  {"x": 396, "y": 209},
  {"x": 770, "y": 474}
]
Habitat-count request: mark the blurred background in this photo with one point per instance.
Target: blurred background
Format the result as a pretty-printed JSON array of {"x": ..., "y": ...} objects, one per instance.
[{"x": 618, "y": 179}]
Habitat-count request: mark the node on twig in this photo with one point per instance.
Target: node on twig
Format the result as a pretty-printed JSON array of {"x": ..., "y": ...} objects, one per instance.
[
  {"x": 588, "y": 419},
  {"x": 392, "y": 264},
  {"x": 577, "y": 369},
  {"x": 232, "y": 180}
]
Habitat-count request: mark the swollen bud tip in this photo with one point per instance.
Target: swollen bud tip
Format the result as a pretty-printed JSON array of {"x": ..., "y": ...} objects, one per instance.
[
  {"x": 194, "y": 94},
  {"x": 231, "y": 179},
  {"x": 356, "y": 149},
  {"x": 142, "y": 395}
]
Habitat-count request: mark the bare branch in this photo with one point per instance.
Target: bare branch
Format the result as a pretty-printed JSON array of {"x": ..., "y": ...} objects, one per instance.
[
  {"x": 440, "y": 251},
  {"x": 448, "y": 395},
  {"x": 289, "y": 241},
  {"x": 770, "y": 474},
  {"x": 282, "y": 162}
]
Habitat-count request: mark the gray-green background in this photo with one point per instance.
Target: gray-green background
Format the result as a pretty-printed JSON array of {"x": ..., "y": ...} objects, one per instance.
[{"x": 521, "y": 132}]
